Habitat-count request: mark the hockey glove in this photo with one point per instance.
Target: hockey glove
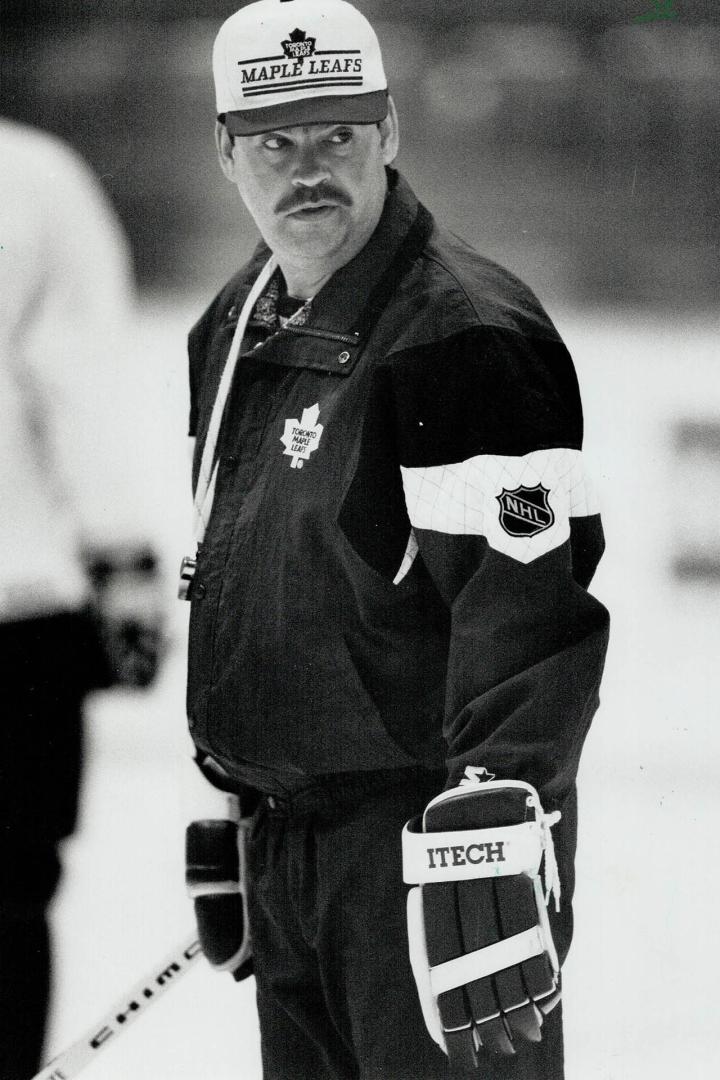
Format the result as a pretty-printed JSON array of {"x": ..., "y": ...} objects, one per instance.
[
  {"x": 128, "y": 609},
  {"x": 481, "y": 948},
  {"x": 215, "y": 878}
]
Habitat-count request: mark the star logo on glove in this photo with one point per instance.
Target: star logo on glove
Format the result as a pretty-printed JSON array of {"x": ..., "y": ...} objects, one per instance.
[{"x": 302, "y": 437}]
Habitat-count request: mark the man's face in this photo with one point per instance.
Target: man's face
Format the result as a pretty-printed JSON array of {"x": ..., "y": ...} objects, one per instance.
[{"x": 315, "y": 192}]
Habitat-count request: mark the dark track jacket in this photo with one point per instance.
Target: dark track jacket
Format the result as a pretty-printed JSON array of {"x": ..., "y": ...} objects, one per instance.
[{"x": 395, "y": 569}]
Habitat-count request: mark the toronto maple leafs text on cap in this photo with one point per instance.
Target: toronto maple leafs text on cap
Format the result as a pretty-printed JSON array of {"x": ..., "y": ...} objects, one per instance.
[{"x": 278, "y": 63}]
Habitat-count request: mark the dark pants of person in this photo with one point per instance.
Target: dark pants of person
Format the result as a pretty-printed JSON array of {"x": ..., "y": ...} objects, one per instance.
[
  {"x": 336, "y": 995},
  {"x": 48, "y": 666}
]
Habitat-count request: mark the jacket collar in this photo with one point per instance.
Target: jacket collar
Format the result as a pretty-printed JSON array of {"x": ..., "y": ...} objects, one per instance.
[
  {"x": 340, "y": 320},
  {"x": 340, "y": 303}
]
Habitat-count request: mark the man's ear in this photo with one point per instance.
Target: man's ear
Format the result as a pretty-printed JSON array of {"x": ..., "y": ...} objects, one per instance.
[
  {"x": 224, "y": 144},
  {"x": 389, "y": 134}
]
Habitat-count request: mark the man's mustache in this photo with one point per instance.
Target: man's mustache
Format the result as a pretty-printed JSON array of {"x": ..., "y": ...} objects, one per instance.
[{"x": 307, "y": 196}]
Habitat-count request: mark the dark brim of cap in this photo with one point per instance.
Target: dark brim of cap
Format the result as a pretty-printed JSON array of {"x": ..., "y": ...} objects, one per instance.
[{"x": 351, "y": 109}]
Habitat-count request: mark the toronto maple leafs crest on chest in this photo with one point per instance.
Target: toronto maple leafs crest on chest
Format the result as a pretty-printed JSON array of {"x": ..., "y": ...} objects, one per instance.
[{"x": 301, "y": 437}]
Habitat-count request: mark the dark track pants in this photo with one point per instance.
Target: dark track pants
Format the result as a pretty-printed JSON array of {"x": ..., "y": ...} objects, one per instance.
[
  {"x": 48, "y": 665},
  {"x": 336, "y": 995}
]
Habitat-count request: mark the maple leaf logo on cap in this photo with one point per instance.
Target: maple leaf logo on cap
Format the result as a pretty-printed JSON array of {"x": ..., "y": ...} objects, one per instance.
[{"x": 298, "y": 45}]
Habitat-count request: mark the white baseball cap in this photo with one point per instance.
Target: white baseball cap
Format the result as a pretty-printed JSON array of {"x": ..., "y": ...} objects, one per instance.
[{"x": 278, "y": 63}]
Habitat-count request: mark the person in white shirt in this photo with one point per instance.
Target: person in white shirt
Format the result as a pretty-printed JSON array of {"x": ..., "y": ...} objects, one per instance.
[{"x": 80, "y": 606}]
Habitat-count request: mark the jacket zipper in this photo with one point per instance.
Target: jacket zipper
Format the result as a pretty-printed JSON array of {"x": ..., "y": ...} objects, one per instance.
[{"x": 329, "y": 335}]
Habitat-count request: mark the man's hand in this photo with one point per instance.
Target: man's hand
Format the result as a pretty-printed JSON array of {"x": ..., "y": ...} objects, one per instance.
[
  {"x": 129, "y": 611},
  {"x": 480, "y": 942}
]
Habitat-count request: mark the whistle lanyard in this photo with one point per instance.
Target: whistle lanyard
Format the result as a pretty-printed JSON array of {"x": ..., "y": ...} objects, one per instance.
[{"x": 207, "y": 477}]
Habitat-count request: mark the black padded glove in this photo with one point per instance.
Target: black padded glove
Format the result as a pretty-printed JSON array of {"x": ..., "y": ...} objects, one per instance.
[
  {"x": 129, "y": 613},
  {"x": 215, "y": 878},
  {"x": 480, "y": 943}
]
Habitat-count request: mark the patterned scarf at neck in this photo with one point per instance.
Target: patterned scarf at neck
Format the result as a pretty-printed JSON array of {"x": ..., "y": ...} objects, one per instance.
[{"x": 266, "y": 309}]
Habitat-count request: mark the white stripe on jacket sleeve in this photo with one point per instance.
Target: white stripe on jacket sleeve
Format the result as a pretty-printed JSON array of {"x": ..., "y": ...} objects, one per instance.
[{"x": 522, "y": 505}]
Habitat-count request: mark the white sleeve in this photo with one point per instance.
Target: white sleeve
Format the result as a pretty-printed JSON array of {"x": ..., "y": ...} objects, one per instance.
[{"x": 82, "y": 348}]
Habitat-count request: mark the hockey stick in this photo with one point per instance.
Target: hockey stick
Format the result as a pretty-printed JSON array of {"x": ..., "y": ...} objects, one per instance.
[{"x": 135, "y": 1003}]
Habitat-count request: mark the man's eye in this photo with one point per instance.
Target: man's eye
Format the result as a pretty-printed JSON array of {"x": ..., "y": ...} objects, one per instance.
[
  {"x": 339, "y": 138},
  {"x": 275, "y": 142}
]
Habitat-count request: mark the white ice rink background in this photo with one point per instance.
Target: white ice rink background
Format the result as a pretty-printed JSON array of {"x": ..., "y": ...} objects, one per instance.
[{"x": 640, "y": 980}]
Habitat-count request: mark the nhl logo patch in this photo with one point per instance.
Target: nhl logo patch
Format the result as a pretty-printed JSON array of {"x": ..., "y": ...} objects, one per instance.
[
  {"x": 525, "y": 511},
  {"x": 301, "y": 437}
]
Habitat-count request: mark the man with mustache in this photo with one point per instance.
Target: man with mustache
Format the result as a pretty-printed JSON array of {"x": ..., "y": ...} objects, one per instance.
[{"x": 395, "y": 537}]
